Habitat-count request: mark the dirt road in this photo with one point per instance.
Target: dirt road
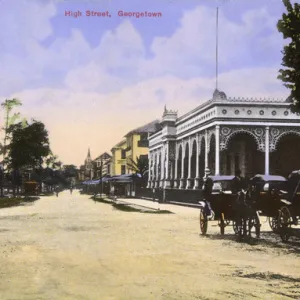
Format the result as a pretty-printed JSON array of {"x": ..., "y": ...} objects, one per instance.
[{"x": 71, "y": 247}]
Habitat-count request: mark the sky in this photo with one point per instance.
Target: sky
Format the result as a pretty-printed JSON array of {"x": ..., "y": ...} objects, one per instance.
[{"x": 92, "y": 79}]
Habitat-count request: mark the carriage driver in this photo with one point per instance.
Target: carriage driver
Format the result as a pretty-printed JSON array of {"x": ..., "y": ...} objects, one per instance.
[
  {"x": 207, "y": 190},
  {"x": 238, "y": 182}
]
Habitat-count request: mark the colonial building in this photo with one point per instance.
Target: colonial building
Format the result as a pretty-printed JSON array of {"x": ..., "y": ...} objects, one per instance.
[
  {"x": 102, "y": 164},
  {"x": 224, "y": 134},
  {"x": 119, "y": 158},
  {"x": 137, "y": 142},
  {"x": 135, "y": 145}
]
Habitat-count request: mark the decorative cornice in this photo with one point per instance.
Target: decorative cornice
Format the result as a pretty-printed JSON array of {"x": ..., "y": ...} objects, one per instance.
[{"x": 261, "y": 100}]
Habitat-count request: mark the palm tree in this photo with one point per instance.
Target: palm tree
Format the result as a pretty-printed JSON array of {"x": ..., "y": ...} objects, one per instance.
[
  {"x": 140, "y": 166},
  {"x": 8, "y": 106}
]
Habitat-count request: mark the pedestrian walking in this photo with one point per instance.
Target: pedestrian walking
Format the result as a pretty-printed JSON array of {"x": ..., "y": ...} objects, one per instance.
[
  {"x": 57, "y": 191},
  {"x": 153, "y": 191}
]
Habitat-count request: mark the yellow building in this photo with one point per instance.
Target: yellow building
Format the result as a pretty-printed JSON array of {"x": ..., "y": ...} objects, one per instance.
[
  {"x": 118, "y": 165},
  {"x": 132, "y": 147}
]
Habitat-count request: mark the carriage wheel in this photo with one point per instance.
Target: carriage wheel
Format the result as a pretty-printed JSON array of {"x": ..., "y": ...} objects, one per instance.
[
  {"x": 222, "y": 224},
  {"x": 284, "y": 223},
  {"x": 273, "y": 222},
  {"x": 203, "y": 221}
]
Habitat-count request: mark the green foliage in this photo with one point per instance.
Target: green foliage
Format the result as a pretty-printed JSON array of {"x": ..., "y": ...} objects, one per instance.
[
  {"x": 29, "y": 145},
  {"x": 70, "y": 171},
  {"x": 140, "y": 166},
  {"x": 52, "y": 161},
  {"x": 8, "y": 106},
  {"x": 131, "y": 207},
  {"x": 16, "y": 201},
  {"x": 134, "y": 208},
  {"x": 289, "y": 26}
]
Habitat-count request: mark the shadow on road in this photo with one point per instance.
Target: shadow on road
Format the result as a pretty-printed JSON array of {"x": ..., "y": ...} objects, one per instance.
[
  {"x": 267, "y": 240},
  {"x": 17, "y": 201}
]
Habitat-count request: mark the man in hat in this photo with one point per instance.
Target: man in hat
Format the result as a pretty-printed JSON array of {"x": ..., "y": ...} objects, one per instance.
[
  {"x": 207, "y": 191},
  {"x": 238, "y": 182}
]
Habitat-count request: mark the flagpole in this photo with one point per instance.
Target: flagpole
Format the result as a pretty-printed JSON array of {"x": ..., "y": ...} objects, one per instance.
[{"x": 217, "y": 25}]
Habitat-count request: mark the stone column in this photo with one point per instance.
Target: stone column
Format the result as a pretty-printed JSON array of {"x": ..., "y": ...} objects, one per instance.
[
  {"x": 153, "y": 171},
  {"x": 157, "y": 166},
  {"x": 197, "y": 178},
  {"x": 167, "y": 160},
  {"x": 217, "y": 167},
  {"x": 171, "y": 164},
  {"x": 152, "y": 182},
  {"x": 175, "y": 178},
  {"x": 162, "y": 168},
  {"x": 182, "y": 168},
  {"x": 267, "y": 149},
  {"x": 206, "y": 150},
  {"x": 189, "y": 179},
  {"x": 150, "y": 170}
]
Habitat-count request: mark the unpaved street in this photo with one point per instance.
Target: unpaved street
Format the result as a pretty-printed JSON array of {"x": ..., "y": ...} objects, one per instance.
[{"x": 71, "y": 247}]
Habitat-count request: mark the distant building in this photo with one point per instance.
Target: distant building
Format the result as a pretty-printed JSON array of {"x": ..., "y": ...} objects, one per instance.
[
  {"x": 86, "y": 170},
  {"x": 102, "y": 161}
]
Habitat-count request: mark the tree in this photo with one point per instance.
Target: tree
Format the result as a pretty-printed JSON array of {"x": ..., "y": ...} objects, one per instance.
[
  {"x": 70, "y": 171},
  {"x": 29, "y": 145},
  {"x": 141, "y": 165},
  {"x": 8, "y": 106},
  {"x": 289, "y": 26},
  {"x": 52, "y": 161}
]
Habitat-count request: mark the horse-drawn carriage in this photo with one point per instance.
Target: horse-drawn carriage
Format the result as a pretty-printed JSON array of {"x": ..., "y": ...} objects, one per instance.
[
  {"x": 228, "y": 206},
  {"x": 272, "y": 196},
  {"x": 289, "y": 212},
  {"x": 265, "y": 192}
]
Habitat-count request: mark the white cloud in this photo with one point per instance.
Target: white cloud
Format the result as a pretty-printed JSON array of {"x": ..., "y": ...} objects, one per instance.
[
  {"x": 25, "y": 20},
  {"x": 106, "y": 91},
  {"x": 122, "y": 47}
]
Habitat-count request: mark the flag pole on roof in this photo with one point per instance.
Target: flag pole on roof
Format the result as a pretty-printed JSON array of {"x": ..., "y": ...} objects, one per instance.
[{"x": 217, "y": 38}]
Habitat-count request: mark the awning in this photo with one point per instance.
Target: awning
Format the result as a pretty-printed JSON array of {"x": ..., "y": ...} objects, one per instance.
[
  {"x": 125, "y": 178},
  {"x": 96, "y": 181}
]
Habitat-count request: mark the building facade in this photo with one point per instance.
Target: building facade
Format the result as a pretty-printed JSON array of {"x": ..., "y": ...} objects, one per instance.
[
  {"x": 118, "y": 160},
  {"x": 86, "y": 170},
  {"x": 102, "y": 165},
  {"x": 256, "y": 136},
  {"x": 137, "y": 143},
  {"x": 134, "y": 145}
]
